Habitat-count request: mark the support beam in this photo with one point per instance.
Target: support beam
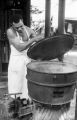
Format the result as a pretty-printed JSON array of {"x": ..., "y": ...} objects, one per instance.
[
  {"x": 0, "y": 59},
  {"x": 47, "y": 18},
  {"x": 26, "y": 12},
  {"x": 76, "y": 106},
  {"x": 61, "y": 16}
]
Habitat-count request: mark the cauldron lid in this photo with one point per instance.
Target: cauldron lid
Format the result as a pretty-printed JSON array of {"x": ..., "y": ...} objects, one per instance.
[{"x": 51, "y": 48}]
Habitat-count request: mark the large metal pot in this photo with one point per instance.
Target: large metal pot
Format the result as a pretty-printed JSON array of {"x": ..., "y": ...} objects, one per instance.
[
  {"x": 51, "y": 82},
  {"x": 52, "y": 73}
]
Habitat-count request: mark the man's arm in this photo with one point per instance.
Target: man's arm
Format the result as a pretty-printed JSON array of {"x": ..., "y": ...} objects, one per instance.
[
  {"x": 23, "y": 46},
  {"x": 31, "y": 32}
]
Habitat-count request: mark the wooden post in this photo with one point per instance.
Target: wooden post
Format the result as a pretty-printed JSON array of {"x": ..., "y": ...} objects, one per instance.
[
  {"x": 76, "y": 105},
  {"x": 26, "y": 12},
  {"x": 47, "y": 18},
  {"x": 0, "y": 58},
  {"x": 61, "y": 16}
]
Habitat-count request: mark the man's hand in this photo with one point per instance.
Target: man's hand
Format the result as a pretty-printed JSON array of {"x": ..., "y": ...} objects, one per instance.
[
  {"x": 38, "y": 38},
  {"x": 21, "y": 31}
]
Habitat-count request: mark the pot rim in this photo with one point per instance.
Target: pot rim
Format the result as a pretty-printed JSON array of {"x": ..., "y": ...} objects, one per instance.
[{"x": 75, "y": 71}]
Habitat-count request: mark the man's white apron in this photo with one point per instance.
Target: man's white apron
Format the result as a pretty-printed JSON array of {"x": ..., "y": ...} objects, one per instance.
[{"x": 17, "y": 82}]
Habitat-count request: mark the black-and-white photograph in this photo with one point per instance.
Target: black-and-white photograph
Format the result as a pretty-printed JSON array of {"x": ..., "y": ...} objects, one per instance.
[{"x": 38, "y": 59}]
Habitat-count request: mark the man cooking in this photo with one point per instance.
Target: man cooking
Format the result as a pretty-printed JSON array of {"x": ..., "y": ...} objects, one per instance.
[{"x": 20, "y": 38}]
